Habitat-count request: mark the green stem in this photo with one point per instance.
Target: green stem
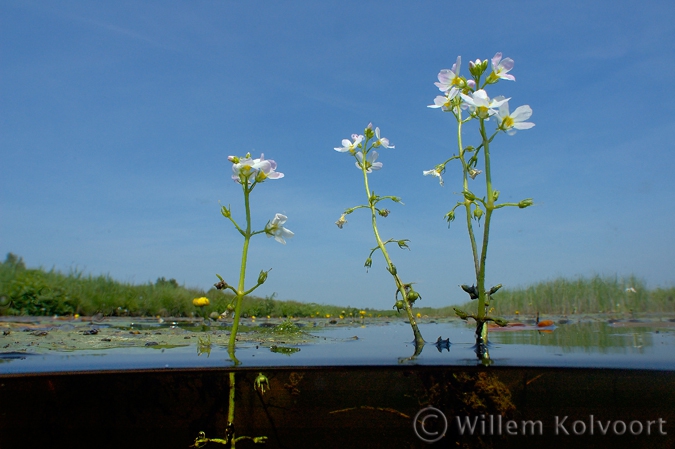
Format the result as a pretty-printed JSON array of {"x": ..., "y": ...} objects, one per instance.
[
  {"x": 480, "y": 280},
  {"x": 467, "y": 203},
  {"x": 242, "y": 277},
  {"x": 419, "y": 341},
  {"x": 230, "y": 410}
]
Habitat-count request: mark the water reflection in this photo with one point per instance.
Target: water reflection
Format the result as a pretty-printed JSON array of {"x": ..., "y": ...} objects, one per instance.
[
  {"x": 589, "y": 337},
  {"x": 588, "y": 343}
]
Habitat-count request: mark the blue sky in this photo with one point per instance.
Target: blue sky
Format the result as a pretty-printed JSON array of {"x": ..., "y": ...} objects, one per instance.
[{"x": 117, "y": 117}]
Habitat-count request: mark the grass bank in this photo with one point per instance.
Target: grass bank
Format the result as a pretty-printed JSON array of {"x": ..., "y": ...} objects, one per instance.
[
  {"x": 25, "y": 291},
  {"x": 596, "y": 294},
  {"x": 39, "y": 292}
]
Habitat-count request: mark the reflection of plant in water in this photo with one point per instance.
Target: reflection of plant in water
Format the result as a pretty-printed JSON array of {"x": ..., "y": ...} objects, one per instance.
[
  {"x": 460, "y": 94},
  {"x": 204, "y": 345},
  {"x": 362, "y": 147}
]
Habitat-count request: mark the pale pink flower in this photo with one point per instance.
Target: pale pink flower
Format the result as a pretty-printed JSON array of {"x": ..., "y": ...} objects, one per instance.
[
  {"x": 501, "y": 68},
  {"x": 448, "y": 79}
]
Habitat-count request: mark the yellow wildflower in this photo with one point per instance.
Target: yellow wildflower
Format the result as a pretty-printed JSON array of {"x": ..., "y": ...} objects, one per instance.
[{"x": 200, "y": 302}]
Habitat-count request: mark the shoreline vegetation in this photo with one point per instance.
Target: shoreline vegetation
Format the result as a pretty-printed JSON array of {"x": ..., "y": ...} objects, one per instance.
[{"x": 26, "y": 291}]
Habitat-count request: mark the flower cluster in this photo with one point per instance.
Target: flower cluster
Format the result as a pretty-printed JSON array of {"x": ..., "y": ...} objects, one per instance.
[
  {"x": 365, "y": 155},
  {"x": 250, "y": 171},
  {"x": 458, "y": 92}
]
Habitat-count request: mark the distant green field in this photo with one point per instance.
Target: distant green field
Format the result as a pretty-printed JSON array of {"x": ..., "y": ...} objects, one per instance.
[
  {"x": 25, "y": 291},
  {"x": 38, "y": 292},
  {"x": 596, "y": 294}
]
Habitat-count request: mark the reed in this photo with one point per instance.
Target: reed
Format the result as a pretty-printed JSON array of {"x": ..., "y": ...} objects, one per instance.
[{"x": 595, "y": 294}]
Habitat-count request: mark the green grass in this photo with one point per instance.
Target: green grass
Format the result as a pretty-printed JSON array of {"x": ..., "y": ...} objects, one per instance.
[
  {"x": 596, "y": 294},
  {"x": 26, "y": 291},
  {"x": 39, "y": 292}
]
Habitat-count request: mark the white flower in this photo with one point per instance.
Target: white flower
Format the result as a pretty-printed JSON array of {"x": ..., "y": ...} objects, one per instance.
[
  {"x": 445, "y": 101},
  {"x": 350, "y": 145},
  {"x": 511, "y": 122},
  {"x": 473, "y": 173},
  {"x": 435, "y": 172},
  {"x": 481, "y": 105},
  {"x": 275, "y": 229},
  {"x": 381, "y": 141},
  {"x": 370, "y": 161},
  {"x": 341, "y": 222}
]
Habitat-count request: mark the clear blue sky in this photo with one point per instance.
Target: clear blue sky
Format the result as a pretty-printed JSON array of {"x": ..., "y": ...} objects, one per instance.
[{"x": 117, "y": 117}]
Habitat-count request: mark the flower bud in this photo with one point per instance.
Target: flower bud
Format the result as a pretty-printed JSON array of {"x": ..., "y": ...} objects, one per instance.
[
  {"x": 494, "y": 289},
  {"x": 368, "y": 132},
  {"x": 262, "y": 277},
  {"x": 402, "y": 244},
  {"x": 477, "y": 67},
  {"x": 233, "y": 159},
  {"x": 461, "y": 314},
  {"x": 478, "y": 212},
  {"x": 525, "y": 203},
  {"x": 383, "y": 212},
  {"x": 220, "y": 285},
  {"x": 226, "y": 212},
  {"x": 392, "y": 269},
  {"x": 472, "y": 291},
  {"x": 500, "y": 322},
  {"x": 469, "y": 196},
  {"x": 495, "y": 195},
  {"x": 369, "y": 263}
]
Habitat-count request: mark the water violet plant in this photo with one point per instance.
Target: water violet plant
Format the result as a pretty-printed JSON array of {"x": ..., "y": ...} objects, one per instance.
[
  {"x": 249, "y": 173},
  {"x": 362, "y": 148},
  {"x": 459, "y": 95}
]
